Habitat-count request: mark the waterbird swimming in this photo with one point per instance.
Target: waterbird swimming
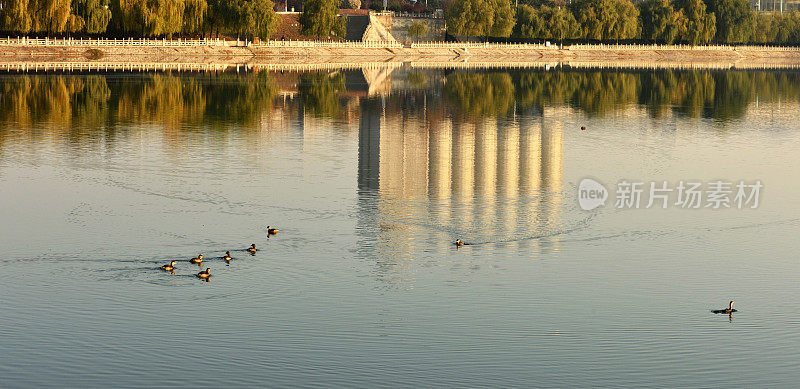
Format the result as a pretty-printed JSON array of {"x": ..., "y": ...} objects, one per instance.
[
  {"x": 458, "y": 243},
  {"x": 227, "y": 256},
  {"x": 205, "y": 273},
  {"x": 727, "y": 310},
  {"x": 583, "y": 128},
  {"x": 272, "y": 231},
  {"x": 169, "y": 267},
  {"x": 252, "y": 248},
  {"x": 198, "y": 259}
]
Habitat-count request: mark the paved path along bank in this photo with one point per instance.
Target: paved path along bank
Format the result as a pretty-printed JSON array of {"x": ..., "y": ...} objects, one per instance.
[{"x": 221, "y": 52}]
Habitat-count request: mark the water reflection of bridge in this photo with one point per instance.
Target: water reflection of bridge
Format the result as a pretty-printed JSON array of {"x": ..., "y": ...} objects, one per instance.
[{"x": 490, "y": 179}]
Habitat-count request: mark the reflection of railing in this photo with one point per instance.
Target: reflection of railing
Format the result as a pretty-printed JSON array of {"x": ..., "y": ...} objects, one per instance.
[
  {"x": 90, "y": 66},
  {"x": 469, "y": 45},
  {"x": 113, "y": 66},
  {"x": 678, "y": 47},
  {"x": 333, "y": 44},
  {"x": 25, "y": 41}
]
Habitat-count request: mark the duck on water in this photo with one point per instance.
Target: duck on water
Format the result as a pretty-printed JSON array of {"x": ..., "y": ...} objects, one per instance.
[
  {"x": 169, "y": 267},
  {"x": 727, "y": 310}
]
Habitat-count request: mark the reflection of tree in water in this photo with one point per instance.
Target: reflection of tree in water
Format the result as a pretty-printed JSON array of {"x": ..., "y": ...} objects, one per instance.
[
  {"x": 721, "y": 95},
  {"x": 169, "y": 101},
  {"x": 480, "y": 94},
  {"x": 685, "y": 92},
  {"x": 53, "y": 101},
  {"x": 417, "y": 80},
  {"x": 599, "y": 93},
  {"x": 80, "y": 103},
  {"x": 237, "y": 99},
  {"x": 320, "y": 93},
  {"x": 73, "y": 102}
]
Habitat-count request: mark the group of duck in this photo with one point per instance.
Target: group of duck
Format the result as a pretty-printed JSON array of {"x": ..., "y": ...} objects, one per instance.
[
  {"x": 198, "y": 260},
  {"x": 206, "y": 274}
]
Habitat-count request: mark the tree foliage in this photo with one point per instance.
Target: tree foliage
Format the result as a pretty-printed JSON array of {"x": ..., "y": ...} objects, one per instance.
[
  {"x": 252, "y": 18},
  {"x": 661, "y": 22},
  {"x": 148, "y": 17},
  {"x": 480, "y": 18},
  {"x": 607, "y": 19},
  {"x": 193, "y": 15},
  {"x": 91, "y": 16},
  {"x": 320, "y": 93},
  {"x": 320, "y": 18},
  {"x": 544, "y": 23},
  {"x": 417, "y": 29},
  {"x": 700, "y": 24},
  {"x": 351, "y": 4},
  {"x": 735, "y": 20},
  {"x": 15, "y": 16}
]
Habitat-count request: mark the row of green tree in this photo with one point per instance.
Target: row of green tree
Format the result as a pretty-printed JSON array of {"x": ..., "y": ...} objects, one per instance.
[
  {"x": 660, "y": 21},
  {"x": 148, "y": 18}
]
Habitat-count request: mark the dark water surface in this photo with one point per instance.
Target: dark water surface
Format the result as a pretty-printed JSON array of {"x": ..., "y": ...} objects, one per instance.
[{"x": 370, "y": 175}]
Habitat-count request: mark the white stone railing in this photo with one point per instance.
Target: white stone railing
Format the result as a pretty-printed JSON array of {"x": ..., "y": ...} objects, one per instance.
[
  {"x": 25, "y": 41},
  {"x": 677, "y": 47},
  {"x": 469, "y": 45},
  {"x": 330, "y": 44}
]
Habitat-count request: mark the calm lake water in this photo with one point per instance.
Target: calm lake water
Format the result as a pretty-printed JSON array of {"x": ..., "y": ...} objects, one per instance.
[{"x": 370, "y": 176}]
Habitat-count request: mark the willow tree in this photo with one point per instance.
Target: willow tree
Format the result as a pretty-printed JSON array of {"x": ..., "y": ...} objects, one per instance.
[
  {"x": 417, "y": 29},
  {"x": 788, "y": 29},
  {"x": 545, "y": 23},
  {"x": 607, "y": 19},
  {"x": 503, "y": 18},
  {"x": 320, "y": 18},
  {"x": 15, "y": 16},
  {"x": 700, "y": 24},
  {"x": 560, "y": 23},
  {"x": 148, "y": 17},
  {"x": 194, "y": 12},
  {"x": 50, "y": 16},
  {"x": 90, "y": 16},
  {"x": 660, "y": 21},
  {"x": 626, "y": 25},
  {"x": 493, "y": 18},
  {"x": 263, "y": 20},
  {"x": 735, "y": 20},
  {"x": 529, "y": 23}
]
